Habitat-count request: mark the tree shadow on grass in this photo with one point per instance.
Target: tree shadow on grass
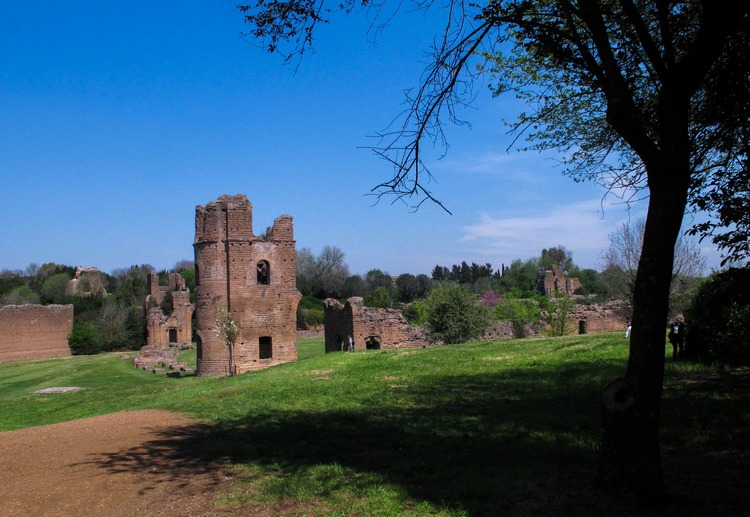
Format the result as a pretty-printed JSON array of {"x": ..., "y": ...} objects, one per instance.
[{"x": 513, "y": 442}]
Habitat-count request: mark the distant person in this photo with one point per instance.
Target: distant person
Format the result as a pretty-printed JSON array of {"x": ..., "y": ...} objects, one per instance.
[
  {"x": 677, "y": 337},
  {"x": 628, "y": 329},
  {"x": 350, "y": 345}
]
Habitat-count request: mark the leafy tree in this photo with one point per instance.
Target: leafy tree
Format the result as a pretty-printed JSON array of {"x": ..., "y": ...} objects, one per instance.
[
  {"x": 440, "y": 273},
  {"x": 637, "y": 94},
  {"x": 558, "y": 317},
  {"x": 19, "y": 296},
  {"x": 376, "y": 278},
  {"x": 323, "y": 276},
  {"x": 521, "y": 276},
  {"x": 55, "y": 287},
  {"x": 558, "y": 256},
  {"x": 186, "y": 269},
  {"x": 454, "y": 314},
  {"x": 167, "y": 303},
  {"x": 592, "y": 283},
  {"x": 9, "y": 281},
  {"x": 519, "y": 311},
  {"x": 416, "y": 313},
  {"x": 411, "y": 287},
  {"x": 719, "y": 318},
  {"x": 309, "y": 313},
  {"x": 380, "y": 297},
  {"x": 135, "y": 327},
  {"x": 84, "y": 339},
  {"x": 354, "y": 286}
]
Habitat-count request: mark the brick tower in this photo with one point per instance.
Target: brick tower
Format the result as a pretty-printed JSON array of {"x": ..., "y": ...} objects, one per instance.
[{"x": 253, "y": 278}]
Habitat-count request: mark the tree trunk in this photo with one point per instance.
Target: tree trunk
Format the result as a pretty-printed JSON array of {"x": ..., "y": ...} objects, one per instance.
[{"x": 631, "y": 407}]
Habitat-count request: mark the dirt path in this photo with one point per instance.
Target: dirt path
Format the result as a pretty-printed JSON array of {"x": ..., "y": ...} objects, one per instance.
[{"x": 113, "y": 465}]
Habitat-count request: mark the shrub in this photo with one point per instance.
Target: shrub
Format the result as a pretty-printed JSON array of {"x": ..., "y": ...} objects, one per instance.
[
  {"x": 416, "y": 312},
  {"x": 309, "y": 313},
  {"x": 380, "y": 298},
  {"x": 558, "y": 316},
  {"x": 718, "y": 320},
  {"x": 85, "y": 339},
  {"x": 520, "y": 312},
  {"x": 455, "y": 315}
]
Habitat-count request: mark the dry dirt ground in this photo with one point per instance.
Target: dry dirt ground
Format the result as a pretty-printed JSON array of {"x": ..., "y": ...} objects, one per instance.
[{"x": 112, "y": 465}]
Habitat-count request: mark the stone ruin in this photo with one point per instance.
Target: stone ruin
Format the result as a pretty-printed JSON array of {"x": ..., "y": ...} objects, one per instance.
[
  {"x": 553, "y": 280},
  {"x": 166, "y": 334},
  {"x": 34, "y": 331},
  {"x": 176, "y": 327},
  {"x": 601, "y": 317},
  {"x": 90, "y": 276},
  {"x": 251, "y": 278},
  {"x": 371, "y": 328}
]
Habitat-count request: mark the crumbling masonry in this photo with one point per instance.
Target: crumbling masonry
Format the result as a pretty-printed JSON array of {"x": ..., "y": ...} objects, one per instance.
[
  {"x": 370, "y": 327},
  {"x": 175, "y": 328},
  {"x": 253, "y": 278},
  {"x": 554, "y": 280}
]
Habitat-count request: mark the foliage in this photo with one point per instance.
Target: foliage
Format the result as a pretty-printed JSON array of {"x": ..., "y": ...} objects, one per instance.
[
  {"x": 9, "y": 281},
  {"x": 490, "y": 299},
  {"x": 462, "y": 273},
  {"x": 592, "y": 283},
  {"x": 412, "y": 287},
  {"x": 719, "y": 319},
  {"x": 309, "y": 313},
  {"x": 558, "y": 315},
  {"x": 376, "y": 278},
  {"x": 189, "y": 276},
  {"x": 521, "y": 276},
  {"x": 167, "y": 303},
  {"x": 558, "y": 256},
  {"x": 19, "y": 296},
  {"x": 322, "y": 276},
  {"x": 454, "y": 314},
  {"x": 380, "y": 297},
  {"x": 85, "y": 339},
  {"x": 416, "y": 313},
  {"x": 55, "y": 287},
  {"x": 519, "y": 311}
]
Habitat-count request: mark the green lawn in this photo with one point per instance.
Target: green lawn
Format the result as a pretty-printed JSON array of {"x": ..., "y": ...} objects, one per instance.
[{"x": 500, "y": 428}]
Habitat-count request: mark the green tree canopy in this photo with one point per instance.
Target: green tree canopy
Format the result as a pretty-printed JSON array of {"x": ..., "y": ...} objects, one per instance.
[{"x": 455, "y": 314}]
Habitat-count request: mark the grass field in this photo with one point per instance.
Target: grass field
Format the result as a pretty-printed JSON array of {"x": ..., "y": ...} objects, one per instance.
[{"x": 500, "y": 428}]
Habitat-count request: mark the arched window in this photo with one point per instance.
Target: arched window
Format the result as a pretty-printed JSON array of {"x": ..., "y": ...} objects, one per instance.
[{"x": 264, "y": 272}]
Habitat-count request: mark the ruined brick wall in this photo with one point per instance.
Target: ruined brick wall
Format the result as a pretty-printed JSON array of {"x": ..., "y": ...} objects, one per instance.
[
  {"x": 254, "y": 277},
  {"x": 370, "y": 327},
  {"x": 34, "y": 331},
  {"x": 177, "y": 327},
  {"x": 554, "y": 279},
  {"x": 602, "y": 317}
]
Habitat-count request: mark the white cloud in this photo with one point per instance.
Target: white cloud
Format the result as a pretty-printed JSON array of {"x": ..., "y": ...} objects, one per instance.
[{"x": 579, "y": 227}]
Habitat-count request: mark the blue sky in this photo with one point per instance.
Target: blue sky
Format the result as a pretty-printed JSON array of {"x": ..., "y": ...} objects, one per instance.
[{"x": 118, "y": 118}]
